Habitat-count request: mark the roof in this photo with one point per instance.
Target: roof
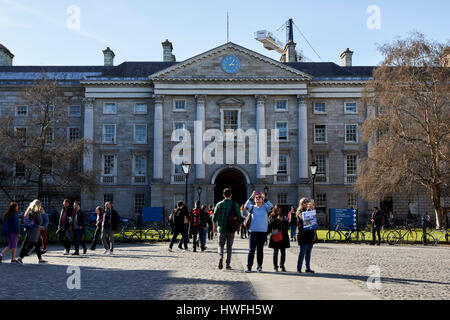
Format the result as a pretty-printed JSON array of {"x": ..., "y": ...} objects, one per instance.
[
  {"x": 6, "y": 50},
  {"x": 330, "y": 70}
]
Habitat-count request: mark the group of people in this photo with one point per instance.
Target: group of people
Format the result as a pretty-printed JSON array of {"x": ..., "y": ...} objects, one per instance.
[
  {"x": 71, "y": 228},
  {"x": 258, "y": 219}
]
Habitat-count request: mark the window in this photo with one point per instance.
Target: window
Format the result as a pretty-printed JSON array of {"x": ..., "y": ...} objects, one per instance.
[
  {"x": 74, "y": 134},
  {"x": 140, "y": 133},
  {"x": 139, "y": 202},
  {"x": 320, "y": 134},
  {"x": 178, "y": 175},
  {"x": 46, "y": 166},
  {"x": 283, "y": 164},
  {"x": 351, "y": 166},
  {"x": 20, "y": 199},
  {"x": 351, "y": 201},
  {"x": 49, "y": 136},
  {"x": 109, "y": 164},
  {"x": 319, "y": 107},
  {"x": 351, "y": 134},
  {"x": 21, "y": 133},
  {"x": 109, "y": 197},
  {"x": 350, "y": 107},
  {"x": 230, "y": 119},
  {"x": 140, "y": 165},
  {"x": 75, "y": 111},
  {"x": 282, "y": 198},
  {"x": 281, "y": 105},
  {"x": 19, "y": 170},
  {"x": 321, "y": 173},
  {"x": 21, "y": 111},
  {"x": 283, "y": 131},
  {"x": 109, "y": 108},
  {"x": 321, "y": 200},
  {"x": 140, "y": 108},
  {"x": 177, "y": 125},
  {"x": 109, "y": 133},
  {"x": 179, "y": 105}
]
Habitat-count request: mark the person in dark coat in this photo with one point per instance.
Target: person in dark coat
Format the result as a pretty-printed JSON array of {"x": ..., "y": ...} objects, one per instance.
[
  {"x": 180, "y": 220},
  {"x": 377, "y": 222},
  {"x": 64, "y": 232},
  {"x": 78, "y": 225},
  {"x": 277, "y": 221},
  {"x": 305, "y": 238}
]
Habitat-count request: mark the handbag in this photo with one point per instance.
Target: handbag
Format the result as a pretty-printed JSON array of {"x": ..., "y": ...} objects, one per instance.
[
  {"x": 248, "y": 220},
  {"x": 277, "y": 236}
]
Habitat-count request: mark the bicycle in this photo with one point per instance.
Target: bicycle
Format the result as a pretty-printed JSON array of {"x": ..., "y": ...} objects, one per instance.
[
  {"x": 348, "y": 234},
  {"x": 396, "y": 236},
  {"x": 436, "y": 236},
  {"x": 129, "y": 232}
]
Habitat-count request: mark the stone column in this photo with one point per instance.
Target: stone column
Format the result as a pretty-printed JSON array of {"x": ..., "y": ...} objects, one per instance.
[
  {"x": 88, "y": 157},
  {"x": 302, "y": 137},
  {"x": 158, "y": 137},
  {"x": 260, "y": 125},
  {"x": 198, "y": 136}
]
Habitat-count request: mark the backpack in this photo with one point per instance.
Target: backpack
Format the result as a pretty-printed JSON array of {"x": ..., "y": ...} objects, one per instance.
[
  {"x": 179, "y": 217},
  {"x": 233, "y": 222},
  {"x": 195, "y": 217},
  {"x": 115, "y": 219}
]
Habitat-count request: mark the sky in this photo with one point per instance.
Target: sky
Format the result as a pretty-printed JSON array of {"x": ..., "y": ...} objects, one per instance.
[{"x": 75, "y": 32}]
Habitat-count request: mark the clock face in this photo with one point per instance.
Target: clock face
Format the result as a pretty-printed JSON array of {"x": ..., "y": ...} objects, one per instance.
[{"x": 230, "y": 64}]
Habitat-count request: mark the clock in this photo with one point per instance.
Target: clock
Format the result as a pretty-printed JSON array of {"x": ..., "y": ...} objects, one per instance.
[{"x": 230, "y": 64}]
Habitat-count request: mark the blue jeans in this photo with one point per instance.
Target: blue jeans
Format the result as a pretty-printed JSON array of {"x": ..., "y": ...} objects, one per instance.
[
  {"x": 256, "y": 240},
  {"x": 293, "y": 231},
  {"x": 78, "y": 239},
  {"x": 305, "y": 253}
]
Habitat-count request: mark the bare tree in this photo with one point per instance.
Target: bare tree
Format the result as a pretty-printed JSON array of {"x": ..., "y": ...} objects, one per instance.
[
  {"x": 38, "y": 143},
  {"x": 408, "y": 124}
]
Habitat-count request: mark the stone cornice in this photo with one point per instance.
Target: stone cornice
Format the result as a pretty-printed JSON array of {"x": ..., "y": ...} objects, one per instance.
[
  {"x": 338, "y": 83},
  {"x": 226, "y": 79},
  {"x": 144, "y": 83}
]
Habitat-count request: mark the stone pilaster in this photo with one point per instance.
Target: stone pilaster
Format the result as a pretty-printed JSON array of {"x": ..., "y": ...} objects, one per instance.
[
  {"x": 260, "y": 125},
  {"x": 158, "y": 137},
  {"x": 198, "y": 136},
  {"x": 302, "y": 137}
]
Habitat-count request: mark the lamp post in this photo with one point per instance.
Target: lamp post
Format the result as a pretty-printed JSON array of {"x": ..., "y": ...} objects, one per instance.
[
  {"x": 186, "y": 168},
  {"x": 266, "y": 191},
  {"x": 199, "y": 192},
  {"x": 313, "y": 170}
]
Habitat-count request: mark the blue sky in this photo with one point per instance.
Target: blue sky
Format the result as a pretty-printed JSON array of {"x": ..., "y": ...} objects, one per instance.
[{"x": 37, "y": 33}]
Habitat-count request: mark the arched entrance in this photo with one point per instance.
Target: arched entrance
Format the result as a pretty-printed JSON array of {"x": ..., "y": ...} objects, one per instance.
[{"x": 234, "y": 179}]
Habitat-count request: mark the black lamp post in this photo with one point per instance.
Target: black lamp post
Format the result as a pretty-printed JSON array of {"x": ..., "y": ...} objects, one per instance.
[
  {"x": 199, "y": 192},
  {"x": 266, "y": 191},
  {"x": 186, "y": 168},
  {"x": 313, "y": 170}
]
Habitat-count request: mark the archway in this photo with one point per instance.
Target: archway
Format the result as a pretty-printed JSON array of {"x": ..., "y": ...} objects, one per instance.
[{"x": 235, "y": 180}]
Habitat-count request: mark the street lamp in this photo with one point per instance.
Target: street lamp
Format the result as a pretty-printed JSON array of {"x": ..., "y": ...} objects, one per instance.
[
  {"x": 313, "y": 170},
  {"x": 266, "y": 191},
  {"x": 186, "y": 168},
  {"x": 199, "y": 192}
]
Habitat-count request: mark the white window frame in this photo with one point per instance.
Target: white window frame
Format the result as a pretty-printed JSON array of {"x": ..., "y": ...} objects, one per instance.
[
  {"x": 288, "y": 170},
  {"x": 278, "y": 198},
  {"x": 345, "y": 107},
  {"x": 319, "y": 112},
  {"x": 345, "y": 167},
  {"x": 140, "y": 112},
  {"x": 104, "y": 107},
  {"x": 172, "y": 176},
  {"x": 356, "y": 132},
  {"x": 68, "y": 133},
  {"x": 114, "y": 173},
  {"x": 78, "y": 115},
  {"x": 275, "y": 105},
  {"x": 326, "y": 134},
  {"x": 104, "y": 133},
  {"x": 135, "y": 202},
  {"x": 134, "y": 133},
  {"x": 326, "y": 167},
  {"x": 134, "y": 165},
  {"x": 222, "y": 119},
  {"x": 174, "y": 103},
  {"x": 287, "y": 130},
  {"x": 355, "y": 197},
  {"x": 21, "y": 115},
  {"x": 53, "y": 137}
]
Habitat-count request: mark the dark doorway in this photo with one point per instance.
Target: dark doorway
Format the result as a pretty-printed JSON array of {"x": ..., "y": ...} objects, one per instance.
[
  {"x": 387, "y": 205},
  {"x": 233, "y": 179}
]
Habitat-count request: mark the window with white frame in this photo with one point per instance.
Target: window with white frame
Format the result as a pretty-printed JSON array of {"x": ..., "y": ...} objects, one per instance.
[
  {"x": 283, "y": 164},
  {"x": 109, "y": 108},
  {"x": 350, "y": 107},
  {"x": 321, "y": 173},
  {"x": 140, "y": 108},
  {"x": 178, "y": 175},
  {"x": 351, "y": 133},
  {"x": 109, "y": 165},
  {"x": 139, "y": 202},
  {"x": 281, "y": 105},
  {"x": 75, "y": 111},
  {"x": 109, "y": 133},
  {"x": 140, "y": 165},
  {"x": 321, "y": 200},
  {"x": 320, "y": 107},
  {"x": 351, "y": 168},
  {"x": 282, "y": 198},
  {"x": 282, "y": 127},
  {"x": 21, "y": 133},
  {"x": 351, "y": 201},
  {"x": 108, "y": 197},
  {"x": 179, "y": 105},
  {"x": 74, "y": 134},
  {"x": 21, "y": 111},
  {"x": 19, "y": 169},
  {"x": 230, "y": 119},
  {"x": 178, "y": 125},
  {"x": 320, "y": 133},
  {"x": 140, "y": 133}
]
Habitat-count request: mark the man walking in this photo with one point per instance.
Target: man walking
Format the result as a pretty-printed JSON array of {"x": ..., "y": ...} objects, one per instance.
[
  {"x": 220, "y": 218},
  {"x": 377, "y": 221},
  {"x": 198, "y": 224},
  {"x": 78, "y": 225},
  {"x": 426, "y": 223},
  {"x": 64, "y": 226},
  {"x": 98, "y": 230},
  {"x": 107, "y": 229}
]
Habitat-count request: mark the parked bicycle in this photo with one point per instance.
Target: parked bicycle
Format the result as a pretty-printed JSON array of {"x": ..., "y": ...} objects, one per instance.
[
  {"x": 345, "y": 233},
  {"x": 435, "y": 236},
  {"x": 397, "y": 236}
]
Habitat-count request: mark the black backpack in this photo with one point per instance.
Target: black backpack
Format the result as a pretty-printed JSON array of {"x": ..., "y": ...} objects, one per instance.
[
  {"x": 233, "y": 222},
  {"x": 115, "y": 219}
]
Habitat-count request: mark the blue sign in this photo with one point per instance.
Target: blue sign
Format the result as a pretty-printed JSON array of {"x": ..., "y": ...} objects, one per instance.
[
  {"x": 347, "y": 219},
  {"x": 152, "y": 214}
]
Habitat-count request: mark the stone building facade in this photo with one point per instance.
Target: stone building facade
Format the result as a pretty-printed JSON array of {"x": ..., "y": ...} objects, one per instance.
[{"x": 130, "y": 112}]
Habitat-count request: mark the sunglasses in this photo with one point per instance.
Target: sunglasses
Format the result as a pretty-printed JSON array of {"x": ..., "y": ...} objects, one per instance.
[
  {"x": 258, "y": 197},
  {"x": 305, "y": 202}
]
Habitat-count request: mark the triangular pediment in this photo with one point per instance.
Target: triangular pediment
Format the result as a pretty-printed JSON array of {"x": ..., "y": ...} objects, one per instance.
[
  {"x": 229, "y": 102},
  {"x": 209, "y": 66}
]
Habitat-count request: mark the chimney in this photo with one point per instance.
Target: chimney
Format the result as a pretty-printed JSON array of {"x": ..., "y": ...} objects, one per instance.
[
  {"x": 109, "y": 57},
  {"x": 346, "y": 58},
  {"x": 6, "y": 57},
  {"x": 167, "y": 51},
  {"x": 445, "y": 57}
]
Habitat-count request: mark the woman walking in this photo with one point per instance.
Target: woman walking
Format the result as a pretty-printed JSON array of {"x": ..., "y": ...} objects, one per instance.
[
  {"x": 278, "y": 224},
  {"x": 180, "y": 220},
  {"x": 44, "y": 226},
  {"x": 244, "y": 231},
  {"x": 259, "y": 208},
  {"x": 34, "y": 215},
  {"x": 98, "y": 230},
  {"x": 11, "y": 230},
  {"x": 305, "y": 238}
]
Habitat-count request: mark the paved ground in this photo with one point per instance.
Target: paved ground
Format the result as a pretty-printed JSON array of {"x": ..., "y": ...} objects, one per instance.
[{"x": 149, "y": 271}]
